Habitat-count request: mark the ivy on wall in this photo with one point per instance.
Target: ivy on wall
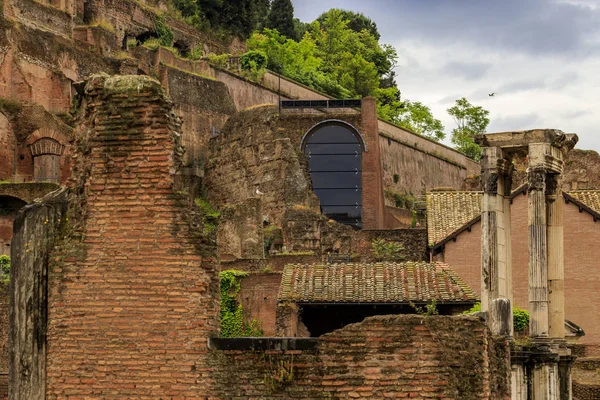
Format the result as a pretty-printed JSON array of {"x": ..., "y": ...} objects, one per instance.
[{"x": 232, "y": 316}]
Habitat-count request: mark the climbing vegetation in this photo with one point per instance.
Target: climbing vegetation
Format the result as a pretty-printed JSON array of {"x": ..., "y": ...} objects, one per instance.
[{"x": 232, "y": 316}]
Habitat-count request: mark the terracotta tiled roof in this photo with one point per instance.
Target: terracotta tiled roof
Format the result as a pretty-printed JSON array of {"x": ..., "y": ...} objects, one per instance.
[
  {"x": 590, "y": 198},
  {"x": 448, "y": 211},
  {"x": 373, "y": 283}
]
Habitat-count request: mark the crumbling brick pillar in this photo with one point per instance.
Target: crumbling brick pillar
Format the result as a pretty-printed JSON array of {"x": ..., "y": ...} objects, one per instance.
[
  {"x": 132, "y": 281},
  {"x": 496, "y": 258},
  {"x": 373, "y": 202}
]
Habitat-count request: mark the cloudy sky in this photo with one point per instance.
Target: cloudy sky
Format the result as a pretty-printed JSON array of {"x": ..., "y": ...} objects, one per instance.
[{"x": 541, "y": 57}]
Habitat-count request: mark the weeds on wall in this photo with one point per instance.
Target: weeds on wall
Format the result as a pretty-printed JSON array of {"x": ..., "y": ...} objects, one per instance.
[
  {"x": 429, "y": 309},
  {"x": 280, "y": 375},
  {"x": 385, "y": 250},
  {"x": 210, "y": 215},
  {"x": 232, "y": 316},
  {"x": 520, "y": 316},
  {"x": 4, "y": 268}
]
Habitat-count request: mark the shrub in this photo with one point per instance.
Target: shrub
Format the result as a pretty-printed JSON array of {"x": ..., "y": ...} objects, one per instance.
[
  {"x": 219, "y": 61},
  {"x": 520, "y": 316},
  {"x": 4, "y": 268},
  {"x": 196, "y": 53}
]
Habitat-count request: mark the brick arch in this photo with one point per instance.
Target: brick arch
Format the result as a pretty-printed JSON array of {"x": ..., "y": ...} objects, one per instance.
[
  {"x": 46, "y": 133},
  {"x": 45, "y": 146}
]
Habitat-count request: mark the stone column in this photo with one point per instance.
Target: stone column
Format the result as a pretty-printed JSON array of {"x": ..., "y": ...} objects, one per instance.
[
  {"x": 495, "y": 231},
  {"x": 556, "y": 265},
  {"x": 538, "y": 262}
]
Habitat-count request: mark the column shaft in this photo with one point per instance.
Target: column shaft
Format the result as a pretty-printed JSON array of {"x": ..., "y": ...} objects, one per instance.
[
  {"x": 538, "y": 265},
  {"x": 556, "y": 264}
]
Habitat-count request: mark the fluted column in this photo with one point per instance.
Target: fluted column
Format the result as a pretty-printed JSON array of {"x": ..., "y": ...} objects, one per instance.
[
  {"x": 496, "y": 282},
  {"x": 556, "y": 264},
  {"x": 538, "y": 263}
]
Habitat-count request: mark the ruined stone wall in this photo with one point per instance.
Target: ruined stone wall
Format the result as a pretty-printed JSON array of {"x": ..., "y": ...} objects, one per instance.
[
  {"x": 382, "y": 357},
  {"x": 259, "y": 151},
  {"x": 133, "y": 287},
  {"x": 581, "y": 234},
  {"x": 203, "y": 104}
]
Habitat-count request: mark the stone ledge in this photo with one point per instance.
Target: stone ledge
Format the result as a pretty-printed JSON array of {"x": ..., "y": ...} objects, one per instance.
[{"x": 264, "y": 343}]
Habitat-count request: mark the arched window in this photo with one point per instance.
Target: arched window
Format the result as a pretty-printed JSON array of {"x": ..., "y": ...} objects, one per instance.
[
  {"x": 334, "y": 152},
  {"x": 46, "y": 154}
]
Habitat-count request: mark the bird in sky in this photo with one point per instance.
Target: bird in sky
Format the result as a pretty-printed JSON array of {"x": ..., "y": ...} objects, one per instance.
[{"x": 492, "y": 94}]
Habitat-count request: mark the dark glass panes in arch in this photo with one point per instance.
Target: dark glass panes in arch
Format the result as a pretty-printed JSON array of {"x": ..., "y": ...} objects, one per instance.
[{"x": 335, "y": 159}]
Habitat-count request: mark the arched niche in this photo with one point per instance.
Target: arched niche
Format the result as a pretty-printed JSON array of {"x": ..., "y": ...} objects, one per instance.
[
  {"x": 334, "y": 152},
  {"x": 46, "y": 153}
]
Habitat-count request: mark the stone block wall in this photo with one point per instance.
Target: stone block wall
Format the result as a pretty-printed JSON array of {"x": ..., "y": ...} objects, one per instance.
[
  {"x": 402, "y": 356},
  {"x": 133, "y": 287}
]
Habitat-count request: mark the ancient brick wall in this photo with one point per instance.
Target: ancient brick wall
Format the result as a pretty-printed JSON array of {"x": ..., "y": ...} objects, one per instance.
[
  {"x": 403, "y": 356},
  {"x": 581, "y": 235},
  {"x": 258, "y": 296},
  {"x": 133, "y": 289}
]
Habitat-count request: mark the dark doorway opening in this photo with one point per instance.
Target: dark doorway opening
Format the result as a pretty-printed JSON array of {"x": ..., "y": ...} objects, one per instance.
[
  {"x": 334, "y": 153},
  {"x": 322, "y": 319}
]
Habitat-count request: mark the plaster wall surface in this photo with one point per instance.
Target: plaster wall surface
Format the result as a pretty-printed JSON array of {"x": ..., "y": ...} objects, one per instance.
[{"x": 582, "y": 278}]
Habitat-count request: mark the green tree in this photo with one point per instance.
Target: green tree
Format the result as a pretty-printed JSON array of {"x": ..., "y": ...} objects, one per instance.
[
  {"x": 418, "y": 118},
  {"x": 356, "y": 21},
  {"x": 281, "y": 18},
  {"x": 470, "y": 121}
]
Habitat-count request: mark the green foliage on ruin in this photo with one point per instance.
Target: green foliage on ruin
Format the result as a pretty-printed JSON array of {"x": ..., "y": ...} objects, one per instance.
[
  {"x": 219, "y": 61},
  {"x": 164, "y": 32},
  {"x": 210, "y": 215},
  {"x": 232, "y": 315},
  {"x": 385, "y": 250},
  {"x": 520, "y": 316},
  {"x": 4, "y": 268}
]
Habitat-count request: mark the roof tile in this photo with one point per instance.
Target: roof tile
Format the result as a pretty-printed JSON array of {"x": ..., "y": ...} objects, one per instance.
[{"x": 373, "y": 283}]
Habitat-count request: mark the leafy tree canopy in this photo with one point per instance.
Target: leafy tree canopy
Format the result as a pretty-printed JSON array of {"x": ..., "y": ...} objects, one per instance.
[
  {"x": 470, "y": 121},
  {"x": 356, "y": 21},
  {"x": 281, "y": 17}
]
